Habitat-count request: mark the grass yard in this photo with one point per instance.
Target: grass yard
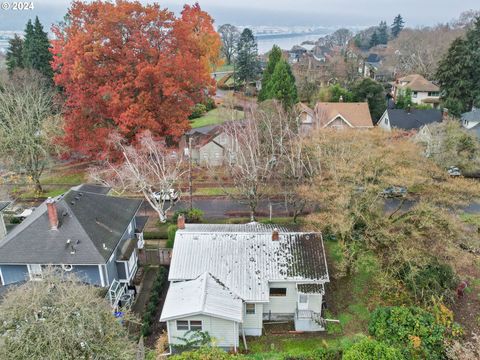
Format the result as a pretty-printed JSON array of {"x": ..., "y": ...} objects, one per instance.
[
  {"x": 213, "y": 117},
  {"x": 224, "y": 67},
  {"x": 211, "y": 191}
]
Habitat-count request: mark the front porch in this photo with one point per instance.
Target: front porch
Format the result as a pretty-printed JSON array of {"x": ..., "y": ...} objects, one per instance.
[{"x": 308, "y": 320}]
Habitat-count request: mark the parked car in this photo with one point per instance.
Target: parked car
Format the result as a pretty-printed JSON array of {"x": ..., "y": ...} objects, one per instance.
[
  {"x": 170, "y": 195},
  {"x": 394, "y": 191},
  {"x": 454, "y": 171}
]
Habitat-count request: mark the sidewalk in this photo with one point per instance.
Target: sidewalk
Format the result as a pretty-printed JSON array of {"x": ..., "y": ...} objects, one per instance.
[{"x": 144, "y": 294}]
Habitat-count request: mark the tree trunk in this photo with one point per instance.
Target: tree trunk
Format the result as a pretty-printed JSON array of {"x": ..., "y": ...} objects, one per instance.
[{"x": 38, "y": 185}]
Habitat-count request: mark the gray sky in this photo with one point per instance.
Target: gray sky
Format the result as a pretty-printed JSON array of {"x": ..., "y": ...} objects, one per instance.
[{"x": 281, "y": 12}]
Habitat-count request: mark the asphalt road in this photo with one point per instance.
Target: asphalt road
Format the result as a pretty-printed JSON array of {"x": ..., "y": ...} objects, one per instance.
[{"x": 225, "y": 207}]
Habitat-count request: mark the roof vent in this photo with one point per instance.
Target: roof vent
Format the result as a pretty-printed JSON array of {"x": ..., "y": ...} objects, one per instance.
[
  {"x": 72, "y": 202},
  {"x": 104, "y": 246},
  {"x": 69, "y": 241},
  {"x": 77, "y": 197},
  {"x": 72, "y": 250},
  {"x": 80, "y": 194},
  {"x": 64, "y": 213}
]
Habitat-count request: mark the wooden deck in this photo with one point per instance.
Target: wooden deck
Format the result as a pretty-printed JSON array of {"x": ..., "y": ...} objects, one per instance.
[{"x": 160, "y": 256}]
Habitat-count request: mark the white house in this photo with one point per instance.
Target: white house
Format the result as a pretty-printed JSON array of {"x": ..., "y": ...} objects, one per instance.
[
  {"x": 228, "y": 279},
  {"x": 423, "y": 91},
  {"x": 409, "y": 119},
  {"x": 471, "y": 121}
]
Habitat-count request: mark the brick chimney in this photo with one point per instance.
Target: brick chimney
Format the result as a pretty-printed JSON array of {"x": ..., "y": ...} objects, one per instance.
[
  {"x": 52, "y": 214},
  {"x": 444, "y": 113},
  {"x": 275, "y": 235},
  {"x": 181, "y": 222}
]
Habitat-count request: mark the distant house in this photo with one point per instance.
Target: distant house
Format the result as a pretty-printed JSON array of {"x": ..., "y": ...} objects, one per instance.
[
  {"x": 343, "y": 115},
  {"x": 471, "y": 121},
  {"x": 305, "y": 118},
  {"x": 296, "y": 53},
  {"x": 371, "y": 65},
  {"x": 228, "y": 279},
  {"x": 423, "y": 91},
  {"x": 409, "y": 120},
  {"x": 210, "y": 146},
  {"x": 84, "y": 232}
]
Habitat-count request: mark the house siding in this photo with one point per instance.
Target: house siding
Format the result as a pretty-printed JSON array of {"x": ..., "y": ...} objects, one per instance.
[
  {"x": 87, "y": 273},
  {"x": 281, "y": 306},
  {"x": 14, "y": 273},
  {"x": 224, "y": 332},
  {"x": 211, "y": 154},
  {"x": 253, "y": 323},
  {"x": 121, "y": 270}
]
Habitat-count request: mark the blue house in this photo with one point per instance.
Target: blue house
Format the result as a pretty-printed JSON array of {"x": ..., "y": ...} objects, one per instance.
[{"x": 85, "y": 232}]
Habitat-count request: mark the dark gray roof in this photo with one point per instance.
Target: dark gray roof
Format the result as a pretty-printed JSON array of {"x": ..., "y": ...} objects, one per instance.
[
  {"x": 374, "y": 58},
  {"x": 473, "y": 115},
  {"x": 4, "y": 204},
  {"x": 93, "y": 222},
  {"x": 413, "y": 119},
  {"x": 202, "y": 130},
  {"x": 311, "y": 288},
  {"x": 475, "y": 130},
  {"x": 93, "y": 188}
]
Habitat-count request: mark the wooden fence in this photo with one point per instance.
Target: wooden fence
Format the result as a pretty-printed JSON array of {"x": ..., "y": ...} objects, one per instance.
[{"x": 159, "y": 256}]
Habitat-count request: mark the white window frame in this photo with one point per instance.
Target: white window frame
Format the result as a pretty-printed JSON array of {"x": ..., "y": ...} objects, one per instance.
[
  {"x": 132, "y": 264},
  {"x": 35, "y": 272},
  {"x": 188, "y": 325},
  {"x": 249, "y": 312}
]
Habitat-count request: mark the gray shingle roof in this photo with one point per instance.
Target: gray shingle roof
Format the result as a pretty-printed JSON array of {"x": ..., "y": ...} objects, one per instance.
[
  {"x": 93, "y": 222},
  {"x": 415, "y": 119},
  {"x": 473, "y": 115},
  {"x": 93, "y": 188},
  {"x": 4, "y": 204}
]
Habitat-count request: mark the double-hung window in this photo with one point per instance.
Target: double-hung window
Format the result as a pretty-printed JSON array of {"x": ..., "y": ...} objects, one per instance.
[
  {"x": 250, "y": 309},
  {"x": 194, "y": 325}
]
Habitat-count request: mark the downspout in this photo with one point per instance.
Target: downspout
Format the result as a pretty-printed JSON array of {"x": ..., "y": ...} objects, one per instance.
[
  {"x": 235, "y": 337},
  {"x": 244, "y": 340}
]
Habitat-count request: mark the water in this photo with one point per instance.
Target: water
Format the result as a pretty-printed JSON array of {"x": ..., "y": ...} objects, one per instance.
[{"x": 285, "y": 42}]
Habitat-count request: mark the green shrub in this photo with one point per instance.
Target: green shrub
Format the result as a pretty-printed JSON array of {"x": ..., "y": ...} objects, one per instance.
[
  {"x": 434, "y": 279},
  {"x": 210, "y": 104},
  {"x": 192, "y": 216},
  {"x": 197, "y": 111},
  {"x": 410, "y": 328},
  {"x": 205, "y": 353},
  {"x": 370, "y": 349},
  {"x": 318, "y": 354},
  {"x": 171, "y": 231}
]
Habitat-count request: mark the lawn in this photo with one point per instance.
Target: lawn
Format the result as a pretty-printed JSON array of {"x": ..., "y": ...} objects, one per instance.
[
  {"x": 224, "y": 67},
  {"x": 213, "y": 117},
  {"x": 212, "y": 191}
]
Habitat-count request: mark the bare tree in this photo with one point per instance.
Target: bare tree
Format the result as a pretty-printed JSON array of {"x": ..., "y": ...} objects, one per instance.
[
  {"x": 150, "y": 169},
  {"x": 30, "y": 124},
  {"x": 420, "y": 50},
  {"x": 230, "y": 36},
  {"x": 254, "y": 157},
  {"x": 67, "y": 320}
]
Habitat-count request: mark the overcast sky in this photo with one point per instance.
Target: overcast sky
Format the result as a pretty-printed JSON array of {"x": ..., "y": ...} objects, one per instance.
[{"x": 280, "y": 12}]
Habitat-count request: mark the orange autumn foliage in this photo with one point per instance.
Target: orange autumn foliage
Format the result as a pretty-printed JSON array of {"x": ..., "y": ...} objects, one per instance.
[{"x": 130, "y": 67}]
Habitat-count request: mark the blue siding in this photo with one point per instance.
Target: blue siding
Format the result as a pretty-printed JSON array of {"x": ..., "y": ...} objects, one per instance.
[
  {"x": 121, "y": 270},
  {"x": 14, "y": 273},
  {"x": 87, "y": 273},
  {"x": 112, "y": 271}
]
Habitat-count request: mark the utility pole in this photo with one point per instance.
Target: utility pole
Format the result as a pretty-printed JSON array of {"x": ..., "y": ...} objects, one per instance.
[{"x": 190, "y": 171}]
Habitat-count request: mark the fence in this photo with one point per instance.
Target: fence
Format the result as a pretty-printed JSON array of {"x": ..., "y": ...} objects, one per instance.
[{"x": 159, "y": 256}]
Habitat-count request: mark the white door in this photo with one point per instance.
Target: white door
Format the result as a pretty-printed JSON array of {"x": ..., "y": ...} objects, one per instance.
[
  {"x": 302, "y": 301},
  {"x": 35, "y": 271}
]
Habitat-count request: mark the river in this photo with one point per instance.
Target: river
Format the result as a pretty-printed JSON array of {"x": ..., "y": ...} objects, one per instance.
[{"x": 286, "y": 41}]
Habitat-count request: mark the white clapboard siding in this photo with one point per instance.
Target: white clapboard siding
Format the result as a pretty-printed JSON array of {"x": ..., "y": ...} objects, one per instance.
[
  {"x": 252, "y": 323},
  {"x": 282, "y": 304}
]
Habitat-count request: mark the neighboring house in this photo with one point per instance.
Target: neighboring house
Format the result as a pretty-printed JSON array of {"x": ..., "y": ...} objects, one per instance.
[
  {"x": 3, "y": 229},
  {"x": 296, "y": 53},
  {"x": 410, "y": 119},
  {"x": 471, "y": 121},
  {"x": 423, "y": 91},
  {"x": 228, "y": 279},
  {"x": 210, "y": 146},
  {"x": 371, "y": 65},
  {"x": 305, "y": 118},
  {"x": 84, "y": 232},
  {"x": 343, "y": 115}
]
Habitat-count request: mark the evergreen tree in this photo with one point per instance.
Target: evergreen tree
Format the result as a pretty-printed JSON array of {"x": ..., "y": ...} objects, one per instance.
[
  {"x": 14, "y": 53},
  {"x": 459, "y": 72},
  {"x": 36, "y": 49},
  {"x": 282, "y": 85},
  {"x": 383, "y": 33},
  {"x": 371, "y": 91},
  {"x": 273, "y": 58},
  {"x": 247, "y": 62},
  {"x": 397, "y": 25},
  {"x": 374, "y": 39}
]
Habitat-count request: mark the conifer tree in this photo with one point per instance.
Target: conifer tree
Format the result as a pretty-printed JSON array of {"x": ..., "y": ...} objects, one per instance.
[
  {"x": 36, "y": 49},
  {"x": 282, "y": 85},
  {"x": 383, "y": 33},
  {"x": 14, "y": 53},
  {"x": 374, "y": 39},
  {"x": 397, "y": 25},
  {"x": 247, "y": 62},
  {"x": 273, "y": 58}
]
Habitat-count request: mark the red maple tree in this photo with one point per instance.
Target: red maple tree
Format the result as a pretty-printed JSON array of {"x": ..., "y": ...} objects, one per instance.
[{"x": 130, "y": 67}]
